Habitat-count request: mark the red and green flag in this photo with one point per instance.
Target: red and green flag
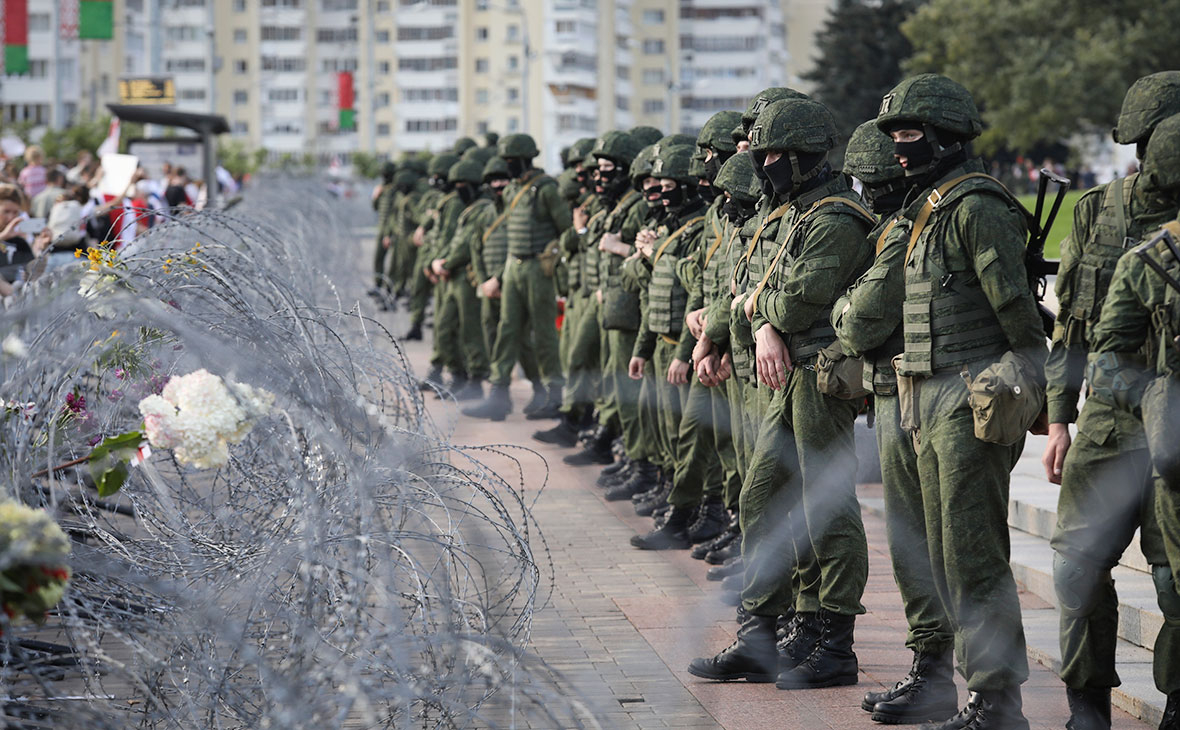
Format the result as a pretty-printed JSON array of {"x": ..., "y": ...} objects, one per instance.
[
  {"x": 16, "y": 36},
  {"x": 96, "y": 19}
]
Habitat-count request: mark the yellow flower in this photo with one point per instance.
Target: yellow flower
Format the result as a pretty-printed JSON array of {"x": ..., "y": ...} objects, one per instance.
[{"x": 77, "y": 253}]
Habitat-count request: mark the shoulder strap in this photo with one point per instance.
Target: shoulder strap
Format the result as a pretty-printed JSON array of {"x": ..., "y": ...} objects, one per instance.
[
  {"x": 596, "y": 216},
  {"x": 831, "y": 200},
  {"x": 885, "y": 234},
  {"x": 676, "y": 235},
  {"x": 534, "y": 183},
  {"x": 932, "y": 201},
  {"x": 1118, "y": 192},
  {"x": 716, "y": 244},
  {"x": 1165, "y": 242},
  {"x": 777, "y": 213}
]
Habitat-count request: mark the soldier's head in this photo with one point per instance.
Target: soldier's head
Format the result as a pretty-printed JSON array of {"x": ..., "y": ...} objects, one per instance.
[
  {"x": 462, "y": 145},
  {"x": 465, "y": 177},
  {"x": 495, "y": 175},
  {"x": 404, "y": 180},
  {"x": 1149, "y": 101},
  {"x": 387, "y": 171},
  {"x": 716, "y": 141},
  {"x": 572, "y": 156},
  {"x": 438, "y": 168},
  {"x": 478, "y": 154},
  {"x": 1161, "y": 159},
  {"x": 614, "y": 152},
  {"x": 763, "y": 99},
  {"x": 932, "y": 120},
  {"x": 518, "y": 151},
  {"x": 672, "y": 169},
  {"x": 740, "y": 141},
  {"x": 568, "y": 187},
  {"x": 490, "y": 139},
  {"x": 641, "y": 178},
  {"x": 644, "y": 135},
  {"x": 791, "y": 139},
  {"x": 733, "y": 180},
  {"x": 869, "y": 158}
]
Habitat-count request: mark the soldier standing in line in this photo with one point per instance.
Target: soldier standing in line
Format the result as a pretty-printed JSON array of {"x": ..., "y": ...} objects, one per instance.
[
  {"x": 438, "y": 187},
  {"x": 536, "y": 216},
  {"x": 1105, "y": 475},
  {"x": 383, "y": 199},
  {"x": 1135, "y": 364},
  {"x": 440, "y": 226}
]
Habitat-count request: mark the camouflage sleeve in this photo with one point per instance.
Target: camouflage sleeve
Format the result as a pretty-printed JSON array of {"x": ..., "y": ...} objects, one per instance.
[
  {"x": 1066, "y": 366},
  {"x": 475, "y": 251},
  {"x": 458, "y": 253},
  {"x": 834, "y": 251},
  {"x": 1126, "y": 314},
  {"x": 870, "y": 312},
  {"x": 688, "y": 271},
  {"x": 993, "y": 234},
  {"x": 553, "y": 205},
  {"x": 717, "y": 320}
]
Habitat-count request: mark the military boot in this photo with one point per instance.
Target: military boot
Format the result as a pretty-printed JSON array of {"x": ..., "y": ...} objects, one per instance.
[
  {"x": 538, "y": 401},
  {"x": 473, "y": 390},
  {"x": 495, "y": 407},
  {"x": 565, "y": 433},
  {"x": 733, "y": 566},
  {"x": 644, "y": 475},
  {"x": 703, "y": 549},
  {"x": 654, "y": 502},
  {"x": 458, "y": 383},
  {"x": 613, "y": 473},
  {"x": 961, "y": 719},
  {"x": 595, "y": 452},
  {"x": 433, "y": 379},
  {"x": 415, "y": 333},
  {"x": 751, "y": 657},
  {"x": 672, "y": 535},
  {"x": 832, "y": 662},
  {"x": 731, "y": 549},
  {"x": 996, "y": 709},
  {"x": 711, "y": 521},
  {"x": 1171, "y": 719},
  {"x": 803, "y": 634},
  {"x": 551, "y": 408},
  {"x": 926, "y": 694},
  {"x": 1089, "y": 709}
]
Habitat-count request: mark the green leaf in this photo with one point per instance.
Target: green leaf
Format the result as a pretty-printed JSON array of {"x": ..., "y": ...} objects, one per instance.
[
  {"x": 109, "y": 460},
  {"x": 112, "y": 479},
  {"x": 7, "y": 584}
]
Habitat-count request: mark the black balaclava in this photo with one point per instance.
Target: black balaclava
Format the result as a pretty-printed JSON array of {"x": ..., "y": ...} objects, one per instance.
[
  {"x": 652, "y": 195},
  {"x": 760, "y": 173},
  {"x": 738, "y": 212},
  {"x": 612, "y": 184},
  {"x": 517, "y": 166},
  {"x": 797, "y": 172},
  {"x": 496, "y": 190},
  {"x": 684, "y": 194},
  {"x": 932, "y": 156},
  {"x": 888, "y": 197},
  {"x": 466, "y": 192}
]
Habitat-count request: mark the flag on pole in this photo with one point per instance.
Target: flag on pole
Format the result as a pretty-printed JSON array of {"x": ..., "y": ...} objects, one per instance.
[
  {"x": 96, "y": 19},
  {"x": 344, "y": 98},
  {"x": 110, "y": 145},
  {"x": 16, "y": 36}
]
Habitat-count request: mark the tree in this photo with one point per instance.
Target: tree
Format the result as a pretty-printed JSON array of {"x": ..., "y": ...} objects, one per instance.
[
  {"x": 1043, "y": 70},
  {"x": 85, "y": 134},
  {"x": 367, "y": 166},
  {"x": 860, "y": 55}
]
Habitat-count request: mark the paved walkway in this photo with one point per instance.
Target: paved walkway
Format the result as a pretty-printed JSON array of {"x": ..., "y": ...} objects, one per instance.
[{"x": 622, "y": 624}]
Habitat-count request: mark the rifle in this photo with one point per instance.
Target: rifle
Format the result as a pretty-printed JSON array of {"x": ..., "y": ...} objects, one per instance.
[{"x": 1034, "y": 257}]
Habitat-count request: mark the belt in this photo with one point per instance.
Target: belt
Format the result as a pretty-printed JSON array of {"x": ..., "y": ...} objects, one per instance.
[
  {"x": 668, "y": 340},
  {"x": 525, "y": 257}
]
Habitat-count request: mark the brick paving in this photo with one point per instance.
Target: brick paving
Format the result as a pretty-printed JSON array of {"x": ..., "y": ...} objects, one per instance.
[{"x": 622, "y": 624}]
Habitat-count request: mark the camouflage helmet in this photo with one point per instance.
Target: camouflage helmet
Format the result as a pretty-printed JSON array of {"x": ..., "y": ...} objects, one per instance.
[
  {"x": 388, "y": 170},
  {"x": 412, "y": 161},
  {"x": 642, "y": 164},
  {"x": 404, "y": 178},
  {"x": 738, "y": 135},
  {"x": 490, "y": 139},
  {"x": 577, "y": 151},
  {"x": 696, "y": 166},
  {"x": 618, "y": 147},
  {"x": 517, "y": 145},
  {"x": 462, "y": 145},
  {"x": 645, "y": 135},
  {"x": 675, "y": 139},
  {"x": 930, "y": 99},
  {"x": 1148, "y": 102},
  {"x": 673, "y": 162},
  {"x": 479, "y": 154},
  {"x": 794, "y": 125},
  {"x": 468, "y": 171},
  {"x": 763, "y": 99},
  {"x": 441, "y": 164},
  {"x": 495, "y": 167},
  {"x": 869, "y": 156},
  {"x": 716, "y": 132},
  {"x": 567, "y": 184},
  {"x": 735, "y": 176},
  {"x": 1161, "y": 160}
]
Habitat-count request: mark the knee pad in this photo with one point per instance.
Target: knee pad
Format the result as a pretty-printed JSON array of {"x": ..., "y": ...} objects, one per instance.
[
  {"x": 1076, "y": 582},
  {"x": 1166, "y": 592}
]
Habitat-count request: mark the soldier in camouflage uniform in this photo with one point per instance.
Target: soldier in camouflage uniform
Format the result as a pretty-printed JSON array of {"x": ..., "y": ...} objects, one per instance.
[
  {"x": 439, "y": 228},
  {"x": 400, "y": 231},
  {"x": 967, "y": 304},
  {"x": 383, "y": 198},
  {"x": 1134, "y": 365},
  {"x": 804, "y": 460},
  {"x": 1105, "y": 475},
  {"x": 868, "y": 324},
  {"x": 536, "y": 217},
  {"x": 423, "y": 215}
]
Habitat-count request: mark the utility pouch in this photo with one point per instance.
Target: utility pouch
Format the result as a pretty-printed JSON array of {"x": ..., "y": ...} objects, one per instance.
[
  {"x": 908, "y": 388},
  {"x": 548, "y": 259},
  {"x": 1005, "y": 399},
  {"x": 838, "y": 374},
  {"x": 620, "y": 309},
  {"x": 1161, "y": 422}
]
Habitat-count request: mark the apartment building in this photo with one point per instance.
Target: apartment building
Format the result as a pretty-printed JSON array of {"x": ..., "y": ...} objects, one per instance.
[{"x": 426, "y": 72}]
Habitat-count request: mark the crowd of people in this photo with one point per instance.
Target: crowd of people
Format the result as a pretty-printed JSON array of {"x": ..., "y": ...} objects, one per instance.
[{"x": 730, "y": 304}]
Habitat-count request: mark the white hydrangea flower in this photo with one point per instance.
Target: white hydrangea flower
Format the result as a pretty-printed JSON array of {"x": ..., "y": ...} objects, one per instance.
[{"x": 14, "y": 346}]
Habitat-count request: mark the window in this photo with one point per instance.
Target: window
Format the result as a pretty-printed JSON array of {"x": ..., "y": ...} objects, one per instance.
[
  {"x": 240, "y": 66},
  {"x": 38, "y": 69},
  {"x": 622, "y": 103},
  {"x": 240, "y": 7},
  {"x": 447, "y": 94},
  {"x": 239, "y": 35},
  {"x": 241, "y": 97},
  {"x": 281, "y": 33},
  {"x": 382, "y": 36},
  {"x": 190, "y": 3},
  {"x": 286, "y": 127},
  {"x": 482, "y": 127},
  {"x": 481, "y": 33},
  {"x": 481, "y": 65},
  {"x": 332, "y": 65},
  {"x": 282, "y": 3},
  {"x": 513, "y": 32},
  {"x": 653, "y": 46},
  {"x": 481, "y": 96},
  {"x": 334, "y": 5},
  {"x": 184, "y": 33},
  {"x": 653, "y": 106},
  {"x": 382, "y": 6},
  {"x": 721, "y": 44},
  {"x": 513, "y": 63},
  {"x": 443, "y": 63},
  {"x": 38, "y": 22},
  {"x": 241, "y": 128},
  {"x": 277, "y": 63},
  {"x": 432, "y": 125},
  {"x": 481, "y": 4},
  {"x": 513, "y": 93},
  {"x": 174, "y": 64},
  {"x": 622, "y": 72},
  {"x": 566, "y": 26},
  {"x": 192, "y": 94},
  {"x": 336, "y": 35},
  {"x": 383, "y": 129},
  {"x": 653, "y": 17},
  {"x": 428, "y": 33},
  {"x": 383, "y": 68},
  {"x": 281, "y": 95},
  {"x": 381, "y": 100},
  {"x": 513, "y": 124},
  {"x": 653, "y": 75}
]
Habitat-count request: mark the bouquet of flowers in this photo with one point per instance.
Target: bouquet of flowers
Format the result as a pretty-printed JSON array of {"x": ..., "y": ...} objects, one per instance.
[{"x": 33, "y": 555}]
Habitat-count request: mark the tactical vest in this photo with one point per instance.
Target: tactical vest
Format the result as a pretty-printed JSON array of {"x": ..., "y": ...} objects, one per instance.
[
  {"x": 435, "y": 233},
  {"x": 495, "y": 246},
  {"x": 1109, "y": 240},
  {"x": 574, "y": 264},
  {"x": 947, "y": 320},
  {"x": 666, "y": 298},
  {"x": 1162, "y": 257},
  {"x": 591, "y": 277},
  {"x": 530, "y": 230},
  {"x": 713, "y": 274}
]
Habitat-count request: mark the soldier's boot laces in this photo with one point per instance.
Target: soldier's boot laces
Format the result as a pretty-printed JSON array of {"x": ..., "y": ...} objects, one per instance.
[
  {"x": 751, "y": 657},
  {"x": 926, "y": 694},
  {"x": 832, "y": 662},
  {"x": 495, "y": 407},
  {"x": 565, "y": 433},
  {"x": 595, "y": 452},
  {"x": 700, "y": 551},
  {"x": 998, "y": 709},
  {"x": 672, "y": 535},
  {"x": 538, "y": 401},
  {"x": 657, "y": 500},
  {"x": 712, "y": 519},
  {"x": 802, "y": 634},
  {"x": 959, "y": 720}
]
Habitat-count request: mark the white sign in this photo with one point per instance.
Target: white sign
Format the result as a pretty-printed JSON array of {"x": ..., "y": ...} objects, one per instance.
[{"x": 117, "y": 171}]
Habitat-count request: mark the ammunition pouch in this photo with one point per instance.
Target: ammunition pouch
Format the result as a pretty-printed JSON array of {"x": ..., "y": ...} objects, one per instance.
[
  {"x": 1005, "y": 399},
  {"x": 838, "y": 374}
]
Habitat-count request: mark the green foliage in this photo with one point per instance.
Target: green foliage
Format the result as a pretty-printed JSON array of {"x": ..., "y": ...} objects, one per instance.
[
  {"x": 236, "y": 157},
  {"x": 109, "y": 461},
  {"x": 860, "y": 56},
  {"x": 1042, "y": 70},
  {"x": 85, "y": 134},
  {"x": 367, "y": 166},
  {"x": 1063, "y": 222}
]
